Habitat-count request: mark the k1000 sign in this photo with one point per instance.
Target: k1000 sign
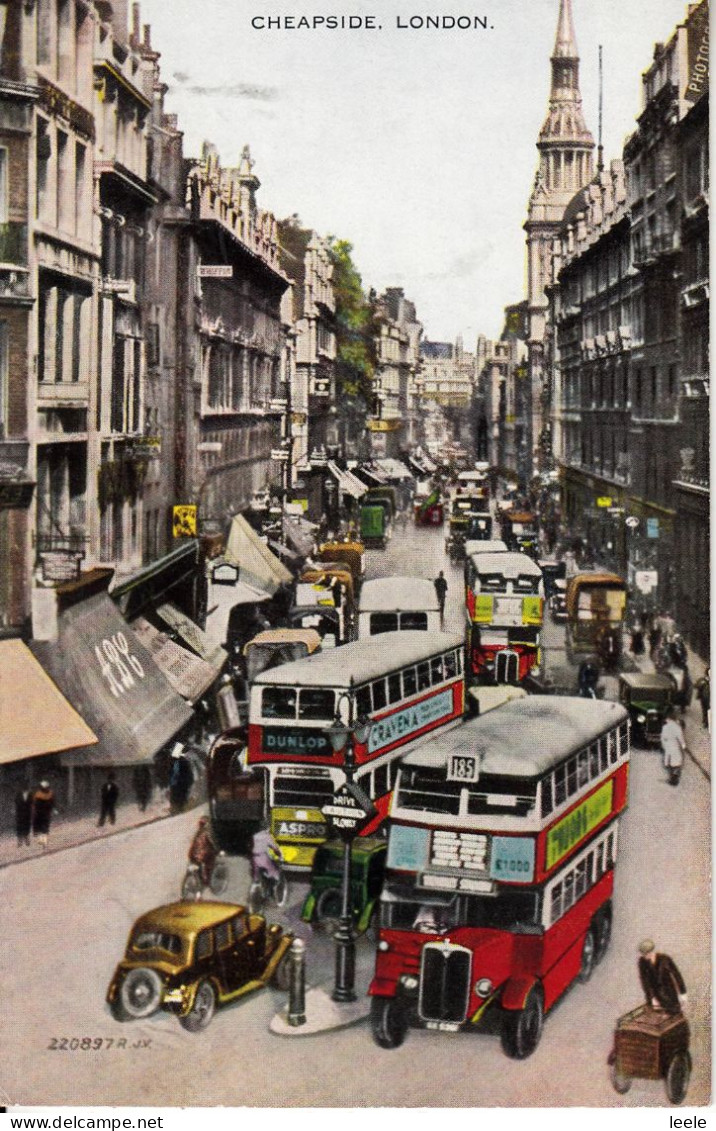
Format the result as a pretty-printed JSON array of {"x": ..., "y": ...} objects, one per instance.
[{"x": 409, "y": 721}]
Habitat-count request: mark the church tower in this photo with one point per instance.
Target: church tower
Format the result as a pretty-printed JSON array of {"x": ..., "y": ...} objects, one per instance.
[{"x": 566, "y": 155}]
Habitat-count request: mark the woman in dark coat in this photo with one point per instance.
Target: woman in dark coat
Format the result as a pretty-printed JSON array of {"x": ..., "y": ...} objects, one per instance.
[{"x": 23, "y": 816}]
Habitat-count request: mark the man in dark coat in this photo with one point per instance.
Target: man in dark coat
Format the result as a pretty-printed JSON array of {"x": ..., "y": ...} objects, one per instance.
[
  {"x": 43, "y": 807},
  {"x": 663, "y": 986},
  {"x": 23, "y": 816},
  {"x": 441, "y": 588},
  {"x": 108, "y": 797}
]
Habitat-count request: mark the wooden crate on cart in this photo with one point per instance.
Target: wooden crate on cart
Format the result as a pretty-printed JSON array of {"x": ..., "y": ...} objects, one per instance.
[{"x": 646, "y": 1041}]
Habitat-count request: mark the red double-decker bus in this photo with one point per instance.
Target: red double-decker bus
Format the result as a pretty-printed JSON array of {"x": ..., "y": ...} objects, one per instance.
[
  {"x": 504, "y": 605},
  {"x": 500, "y": 869},
  {"x": 409, "y": 683}
]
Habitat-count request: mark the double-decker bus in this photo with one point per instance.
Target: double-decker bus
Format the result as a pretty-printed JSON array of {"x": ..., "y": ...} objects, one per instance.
[
  {"x": 409, "y": 683},
  {"x": 500, "y": 869},
  {"x": 504, "y": 604}
]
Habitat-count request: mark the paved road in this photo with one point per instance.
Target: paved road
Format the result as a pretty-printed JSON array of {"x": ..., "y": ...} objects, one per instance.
[{"x": 71, "y": 913}]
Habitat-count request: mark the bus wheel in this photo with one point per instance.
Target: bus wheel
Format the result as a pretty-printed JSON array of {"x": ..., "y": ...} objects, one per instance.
[
  {"x": 388, "y": 1022},
  {"x": 602, "y": 931},
  {"x": 522, "y": 1028},
  {"x": 589, "y": 956}
]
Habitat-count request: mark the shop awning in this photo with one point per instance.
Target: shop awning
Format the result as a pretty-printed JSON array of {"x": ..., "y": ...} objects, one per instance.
[
  {"x": 348, "y": 483},
  {"x": 392, "y": 469},
  {"x": 187, "y": 673},
  {"x": 299, "y": 534},
  {"x": 222, "y": 599},
  {"x": 109, "y": 676},
  {"x": 257, "y": 564},
  {"x": 176, "y": 571},
  {"x": 284, "y": 552},
  {"x": 35, "y": 717},
  {"x": 192, "y": 635}
]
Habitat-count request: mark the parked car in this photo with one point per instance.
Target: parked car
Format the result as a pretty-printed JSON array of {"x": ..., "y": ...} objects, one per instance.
[
  {"x": 323, "y": 902},
  {"x": 648, "y": 697},
  {"x": 558, "y": 600},
  {"x": 188, "y": 958}
]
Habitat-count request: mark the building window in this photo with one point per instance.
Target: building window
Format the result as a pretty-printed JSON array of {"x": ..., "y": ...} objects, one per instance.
[
  {"x": 3, "y": 186},
  {"x": 65, "y": 192},
  {"x": 44, "y": 152},
  {"x": 4, "y": 383}
]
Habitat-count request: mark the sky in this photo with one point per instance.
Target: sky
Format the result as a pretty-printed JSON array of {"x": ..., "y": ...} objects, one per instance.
[{"x": 417, "y": 145}]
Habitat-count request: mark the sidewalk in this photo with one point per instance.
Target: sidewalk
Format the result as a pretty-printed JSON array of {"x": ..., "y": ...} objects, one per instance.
[{"x": 71, "y": 831}]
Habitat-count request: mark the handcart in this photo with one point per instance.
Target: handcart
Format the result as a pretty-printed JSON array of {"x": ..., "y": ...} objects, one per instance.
[{"x": 650, "y": 1044}]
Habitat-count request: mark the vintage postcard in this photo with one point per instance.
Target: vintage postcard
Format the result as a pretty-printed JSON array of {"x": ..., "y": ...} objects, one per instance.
[{"x": 354, "y": 557}]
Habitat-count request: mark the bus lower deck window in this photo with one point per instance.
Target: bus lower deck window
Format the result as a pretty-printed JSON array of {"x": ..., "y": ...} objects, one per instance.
[
  {"x": 279, "y": 702},
  {"x": 556, "y": 907}
]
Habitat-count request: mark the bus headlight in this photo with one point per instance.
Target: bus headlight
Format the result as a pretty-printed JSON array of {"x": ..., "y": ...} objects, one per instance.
[
  {"x": 408, "y": 982},
  {"x": 483, "y": 988},
  {"x": 383, "y": 945}
]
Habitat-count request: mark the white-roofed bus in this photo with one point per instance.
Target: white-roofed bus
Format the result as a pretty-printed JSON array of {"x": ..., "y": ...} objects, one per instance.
[
  {"x": 409, "y": 684},
  {"x": 504, "y": 605},
  {"x": 500, "y": 869}
]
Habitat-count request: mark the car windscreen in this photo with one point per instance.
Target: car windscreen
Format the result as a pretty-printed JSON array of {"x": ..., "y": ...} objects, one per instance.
[{"x": 145, "y": 940}]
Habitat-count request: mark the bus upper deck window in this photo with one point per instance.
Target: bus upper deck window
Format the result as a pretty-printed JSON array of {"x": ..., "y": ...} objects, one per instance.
[
  {"x": 383, "y": 622},
  {"x": 546, "y": 802},
  {"x": 556, "y": 903},
  {"x": 436, "y": 669},
  {"x": 560, "y": 785},
  {"x": 316, "y": 703},
  {"x": 450, "y": 663},
  {"x": 423, "y": 677},
  {"x": 279, "y": 702},
  {"x": 410, "y": 682},
  {"x": 571, "y": 776},
  {"x": 583, "y": 765},
  {"x": 604, "y": 752},
  {"x": 414, "y": 622},
  {"x": 594, "y": 760},
  {"x": 363, "y": 700},
  {"x": 395, "y": 691},
  {"x": 380, "y": 699}
]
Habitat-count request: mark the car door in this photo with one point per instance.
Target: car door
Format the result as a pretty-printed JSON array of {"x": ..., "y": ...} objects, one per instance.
[{"x": 245, "y": 961}]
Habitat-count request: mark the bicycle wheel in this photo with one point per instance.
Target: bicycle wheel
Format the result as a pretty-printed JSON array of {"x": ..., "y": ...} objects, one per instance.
[
  {"x": 220, "y": 877},
  {"x": 256, "y": 897},
  {"x": 192, "y": 886}
]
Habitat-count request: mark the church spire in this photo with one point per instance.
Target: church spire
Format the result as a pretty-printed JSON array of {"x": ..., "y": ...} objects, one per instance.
[{"x": 566, "y": 146}]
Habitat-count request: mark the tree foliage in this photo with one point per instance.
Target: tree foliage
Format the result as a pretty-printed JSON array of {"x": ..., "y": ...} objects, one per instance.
[{"x": 355, "y": 325}]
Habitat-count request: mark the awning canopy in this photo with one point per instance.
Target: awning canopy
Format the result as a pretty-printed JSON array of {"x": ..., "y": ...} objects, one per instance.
[
  {"x": 257, "y": 564},
  {"x": 109, "y": 676},
  {"x": 187, "y": 673},
  {"x": 192, "y": 635},
  {"x": 222, "y": 599},
  {"x": 154, "y": 582},
  {"x": 35, "y": 717},
  {"x": 298, "y": 532},
  {"x": 284, "y": 552},
  {"x": 392, "y": 469},
  {"x": 348, "y": 483}
]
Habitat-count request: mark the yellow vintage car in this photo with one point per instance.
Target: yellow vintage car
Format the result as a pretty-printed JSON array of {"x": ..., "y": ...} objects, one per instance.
[{"x": 188, "y": 958}]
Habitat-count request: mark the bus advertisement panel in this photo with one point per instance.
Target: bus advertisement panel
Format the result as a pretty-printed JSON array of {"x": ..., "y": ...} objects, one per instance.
[
  {"x": 409, "y": 683},
  {"x": 500, "y": 869}
]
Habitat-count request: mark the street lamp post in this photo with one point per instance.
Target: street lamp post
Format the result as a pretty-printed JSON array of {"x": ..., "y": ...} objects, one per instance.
[{"x": 342, "y": 737}]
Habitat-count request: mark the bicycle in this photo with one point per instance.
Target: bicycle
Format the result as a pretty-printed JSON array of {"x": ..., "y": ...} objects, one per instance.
[{"x": 193, "y": 885}]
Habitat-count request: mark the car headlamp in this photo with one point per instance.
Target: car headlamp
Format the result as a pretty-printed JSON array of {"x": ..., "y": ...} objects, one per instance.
[{"x": 483, "y": 987}]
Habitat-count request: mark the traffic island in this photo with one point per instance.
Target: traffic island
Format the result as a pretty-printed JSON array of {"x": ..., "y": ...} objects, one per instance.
[{"x": 322, "y": 1015}]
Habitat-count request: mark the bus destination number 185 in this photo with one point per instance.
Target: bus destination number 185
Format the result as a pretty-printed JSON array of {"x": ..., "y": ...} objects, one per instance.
[{"x": 464, "y": 767}]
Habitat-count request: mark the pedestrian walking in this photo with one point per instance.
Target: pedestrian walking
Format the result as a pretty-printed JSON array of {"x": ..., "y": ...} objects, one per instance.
[
  {"x": 109, "y": 795},
  {"x": 180, "y": 781},
  {"x": 143, "y": 786},
  {"x": 664, "y": 988},
  {"x": 703, "y": 694},
  {"x": 43, "y": 809},
  {"x": 23, "y": 816},
  {"x": 683, "y": 686},
  {"x": 441, "y": 588},
  {"x": 673, "y": 746},
  {"x": 654, "y": 636}
]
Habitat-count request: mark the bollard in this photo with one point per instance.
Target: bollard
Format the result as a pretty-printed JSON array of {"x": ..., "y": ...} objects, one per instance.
[{"x": 297, "y": 985}]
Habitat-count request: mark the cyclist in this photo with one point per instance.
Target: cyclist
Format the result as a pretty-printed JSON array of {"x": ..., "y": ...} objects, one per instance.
[
  {"x": 265, "y": 855},
  {"x": 203, "y": 851}
]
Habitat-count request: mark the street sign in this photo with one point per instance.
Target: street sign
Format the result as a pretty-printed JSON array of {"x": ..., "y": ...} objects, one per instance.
[
  {"x": 279, "y": 455},
  {"x": 652, "y": 528},
  {"x": 351, "y": 809},
  {"x": 215, "y": 271},
  {"x": 209, "y": 446},
  {"x": 632, "y": 522},
  {"x": 604, "y": 501},
  {"x": 184, "y": 521}
]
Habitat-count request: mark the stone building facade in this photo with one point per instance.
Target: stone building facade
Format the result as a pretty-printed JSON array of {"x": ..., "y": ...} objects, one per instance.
[{"x": 398, "y": 362}]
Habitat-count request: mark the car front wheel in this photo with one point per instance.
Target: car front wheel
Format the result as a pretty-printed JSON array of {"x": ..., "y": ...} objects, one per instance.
[
  {"x": 140, "y": 993},
  {"x": 202, "y": 1010}
]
